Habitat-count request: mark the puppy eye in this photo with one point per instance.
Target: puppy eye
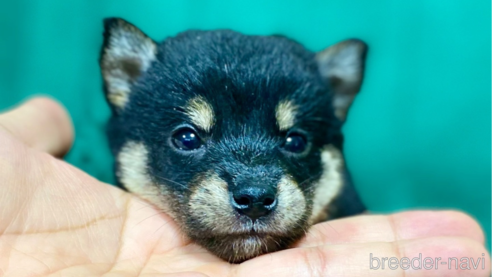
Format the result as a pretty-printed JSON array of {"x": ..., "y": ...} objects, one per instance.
[
  {"x": 186, "y": 139},
  {"x": 295, "y": 143}
]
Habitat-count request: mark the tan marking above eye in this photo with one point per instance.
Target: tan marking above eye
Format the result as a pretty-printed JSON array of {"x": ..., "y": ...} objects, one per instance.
[
  {"x": 201, "y": 113},
  {"x": 285, "y": 113}
]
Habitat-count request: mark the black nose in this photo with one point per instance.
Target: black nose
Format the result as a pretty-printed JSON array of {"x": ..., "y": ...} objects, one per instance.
[{"x": 254, "y": 202}]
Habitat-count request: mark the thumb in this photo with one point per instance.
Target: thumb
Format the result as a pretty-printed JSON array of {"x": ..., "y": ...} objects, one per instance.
[{"x": 40, "y": 123}]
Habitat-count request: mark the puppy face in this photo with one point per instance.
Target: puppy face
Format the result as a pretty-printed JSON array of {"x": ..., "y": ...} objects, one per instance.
[{"x": 237, "y": 137}]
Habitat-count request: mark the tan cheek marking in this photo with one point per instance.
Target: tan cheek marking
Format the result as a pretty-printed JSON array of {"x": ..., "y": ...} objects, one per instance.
[
  {"x": 291, "y": 206},
  {"x": 330, "y": 183},
  {"x": 200, "y": 113},
  {"x": 133, "y": 174},
  {"x": 285, "y": 114},
  {"x": 209, "y": 204}
]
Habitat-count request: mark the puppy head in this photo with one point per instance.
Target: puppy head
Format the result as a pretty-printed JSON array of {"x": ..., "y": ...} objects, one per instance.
[{"x": 237, "y": 137}]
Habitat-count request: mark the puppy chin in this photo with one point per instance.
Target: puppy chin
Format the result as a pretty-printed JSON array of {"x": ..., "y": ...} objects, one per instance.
[{"x": 237, "y": 248}]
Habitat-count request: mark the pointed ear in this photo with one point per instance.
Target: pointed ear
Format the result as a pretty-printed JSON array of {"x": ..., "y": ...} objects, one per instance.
[
  {"x": 342, "y": 66},
  {"x": 126, "y": 53}
]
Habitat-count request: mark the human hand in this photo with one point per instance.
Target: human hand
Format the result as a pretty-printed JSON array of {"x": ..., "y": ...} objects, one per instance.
[{"x": 58, "y": 221}]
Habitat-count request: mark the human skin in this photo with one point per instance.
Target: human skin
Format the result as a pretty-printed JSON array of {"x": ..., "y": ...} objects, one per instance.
[{"x": 56, "y": 220}]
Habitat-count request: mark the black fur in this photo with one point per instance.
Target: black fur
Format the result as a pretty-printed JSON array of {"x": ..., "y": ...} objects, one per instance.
[{"x": 243, "y": 78}]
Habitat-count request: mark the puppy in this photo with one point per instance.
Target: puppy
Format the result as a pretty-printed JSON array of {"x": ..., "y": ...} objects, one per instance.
[{"x": 237, "y": 137}]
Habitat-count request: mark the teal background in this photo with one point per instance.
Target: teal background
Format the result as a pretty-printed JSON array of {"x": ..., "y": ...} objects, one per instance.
[{"x": 418, "y": 135}]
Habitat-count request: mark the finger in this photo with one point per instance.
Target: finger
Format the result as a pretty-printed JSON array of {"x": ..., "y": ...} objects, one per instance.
[
  {"x": 362, "y": 260},
  {"x": 40, "y": 123},
  {"x": 405, "y": 225}
]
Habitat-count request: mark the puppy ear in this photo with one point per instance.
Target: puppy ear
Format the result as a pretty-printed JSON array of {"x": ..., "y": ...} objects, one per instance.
[
  {"x": 126, "y": 53},
  {"x": 342, "y": 65}
]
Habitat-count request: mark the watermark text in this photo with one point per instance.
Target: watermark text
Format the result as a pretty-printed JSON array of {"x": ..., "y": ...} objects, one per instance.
[{"x": 427, "y": 263}]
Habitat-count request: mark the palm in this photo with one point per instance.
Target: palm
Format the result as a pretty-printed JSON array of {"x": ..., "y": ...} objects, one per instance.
[{"x": 58, "y": 221}]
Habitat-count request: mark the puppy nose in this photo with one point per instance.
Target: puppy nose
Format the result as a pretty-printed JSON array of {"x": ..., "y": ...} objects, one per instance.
[{"x": 254, "y": 202}]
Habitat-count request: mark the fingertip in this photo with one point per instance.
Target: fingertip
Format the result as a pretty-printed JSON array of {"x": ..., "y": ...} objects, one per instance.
[
  {"x": 418, "y": 224},
  {"x": 41, "y": 123},
  {"x": 59, "y": 116},
  {"x": 460, "y": 218}
]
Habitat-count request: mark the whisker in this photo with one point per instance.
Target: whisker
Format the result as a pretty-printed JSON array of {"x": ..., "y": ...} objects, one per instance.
[
  {"x": 308, "y": 180},
  {"x": 163, "y": 225},
  {"x": 327, "y": 223},
  {"x": 172, "y": 181}
]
